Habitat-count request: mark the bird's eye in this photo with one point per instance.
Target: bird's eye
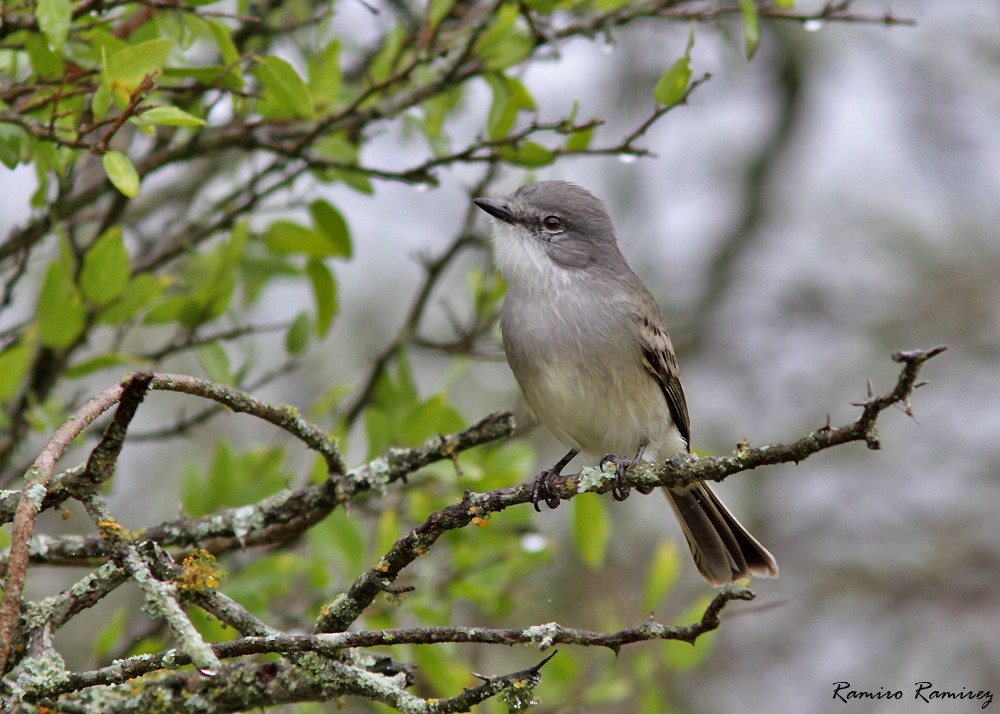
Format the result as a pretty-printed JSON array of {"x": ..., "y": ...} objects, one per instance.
[{"x": 551, "y": 223}]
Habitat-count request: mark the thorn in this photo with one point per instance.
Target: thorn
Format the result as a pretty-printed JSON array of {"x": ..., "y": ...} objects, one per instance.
[
  {"x": 545, "y": 661},
  {"x": 871, "y": 390}
]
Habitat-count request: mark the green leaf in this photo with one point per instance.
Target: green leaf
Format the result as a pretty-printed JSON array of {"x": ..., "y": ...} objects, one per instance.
[
  {"x": 673, "y": 84},
  {"x": 54, "y": 18},
  {"x": 141, "y": 292},
  {"x": 121, "y": 173},
  {"x": 337, "y": 147},
  {"x": 107, "y": 637},
  {"x": 96, "y": 364},
  {"x": 751, "y": 26},
  {"x": 505, "y": 42},
  {"x": 14, "y": 143},
  {"x": 14, "y": 363},
  {"x": 284, "y": 236},
  {"x": 324, "y": 75},
  {"x": 509, "y": 97},
  {"x": 385, "y": 60},
  {"x": 325, "y": 293},
  {"x": 528, "y": 154},
  {"x": 591, "y": 530},
  {"x": 297, "y": 336},
  {"x": 211, "y": 75},
  {"x": 387, "y": 530},
  {"x": 341, "y": 537},
  {"x": 223, "y": 38},
  {"x": 664, "y": 568},
  {"x": 215, "y": 362},
  {"x": 330, "y": 222},
  {"x": 580, "y": 140},
  {"x": 125, "y": 69},
  {"x": 105, "y": 271},
  {"x": 60, "y": 311},
  {"x": 46, "y": 62},
  {"x": 168, "y": 116},
  {"x": 285, "y": 95}
]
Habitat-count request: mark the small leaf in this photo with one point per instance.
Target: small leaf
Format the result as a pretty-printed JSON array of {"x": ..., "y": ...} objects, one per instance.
[
  {"x": 215, "y": 362},
  {"x": 223, "y": 38},
  {"x": 509, "y": 97},
  {"x": 125, "y": 69},
  {"x": 387, "y": 530},
  {"x": 14, "y": 142},
  {"x": 591, "y": 530},
  {"x": 324, "y": 75},
  {"x": 121, "y": 173},
  {"x": 325, "y": 293},
  {"x": 54, "y": 18},
  {"x": 580, "y": 140},
  {"x": 664, "y": 568},
  {"x": 14, "y": 363},
  {"x": 331, "y": 223},
  {"x": 505, "y": 42},
  {"x": 751, "y": 26},
  {"x": 673, "y": 84},
  {"x": 285, "y": 95},
  {"x": 96, "y": 364},
  {"x": 60, "y": 311},
  {"x": 527, "y": 153},
  {"x": 141, "y": 292},
  {"x": 284, "y": 236},
  {"x": 105, "y": 271},
  {"x": 297, "y": 336},
  {"x": 168, "y": 116}
]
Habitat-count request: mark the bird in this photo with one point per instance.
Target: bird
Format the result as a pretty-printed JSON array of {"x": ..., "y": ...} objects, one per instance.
[{"x": 589, "y": 348}]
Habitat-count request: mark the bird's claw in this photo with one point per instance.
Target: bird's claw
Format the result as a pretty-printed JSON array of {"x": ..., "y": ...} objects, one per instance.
[
  {"x": 541, "y": 490},
  {"x": 619, "y": 490}
]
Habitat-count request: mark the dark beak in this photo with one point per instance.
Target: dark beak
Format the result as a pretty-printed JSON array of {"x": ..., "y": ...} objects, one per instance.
[{"x": 496, "y": 208}]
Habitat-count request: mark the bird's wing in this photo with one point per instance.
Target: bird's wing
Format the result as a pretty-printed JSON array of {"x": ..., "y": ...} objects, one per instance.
[{"x": 659, "y": 358}]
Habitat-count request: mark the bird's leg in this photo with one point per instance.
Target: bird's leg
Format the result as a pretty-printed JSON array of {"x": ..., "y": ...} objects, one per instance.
[
  {"x": 541, "y": 490},
  {"x": 620, "y": 491}
]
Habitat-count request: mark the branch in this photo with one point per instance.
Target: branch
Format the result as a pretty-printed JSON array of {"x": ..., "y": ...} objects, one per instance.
[{"x": 679, "y": 471}]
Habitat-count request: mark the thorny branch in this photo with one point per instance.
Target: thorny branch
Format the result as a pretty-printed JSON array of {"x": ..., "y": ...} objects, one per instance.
[{"x": 145, "y": 561}]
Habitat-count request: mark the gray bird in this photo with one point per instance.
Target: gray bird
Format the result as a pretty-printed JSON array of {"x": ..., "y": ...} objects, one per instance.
[{"x": 590, "y": 351}]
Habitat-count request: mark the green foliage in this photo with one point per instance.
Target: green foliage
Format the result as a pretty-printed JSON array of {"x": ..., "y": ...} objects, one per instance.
[
  {"x": 673, "y": 84},
  {"x": 105, "y": 271},
  {"x": 121, "y": 173},
  {"x": 232, "y": 479},
  {"x": 591, "y": 529},
  {"x": 285, "y": 94},
  {"x": 751, "y": 26},
  {"x": 60, "y": 312}
]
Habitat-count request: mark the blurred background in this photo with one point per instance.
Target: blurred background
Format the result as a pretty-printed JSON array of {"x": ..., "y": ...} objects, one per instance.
[{"x": 805, "y": 215}]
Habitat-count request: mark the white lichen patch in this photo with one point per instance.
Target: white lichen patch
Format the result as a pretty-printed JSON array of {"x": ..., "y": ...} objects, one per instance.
[
  {"x": 375, "y": 473},
  {"x": 543, "y": 635},
  {"x": 245, "y": 520},
  {"x": 592, "y": 477}
]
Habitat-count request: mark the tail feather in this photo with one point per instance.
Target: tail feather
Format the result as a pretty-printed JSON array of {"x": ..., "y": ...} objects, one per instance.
[{"x": 722, "y": 548}]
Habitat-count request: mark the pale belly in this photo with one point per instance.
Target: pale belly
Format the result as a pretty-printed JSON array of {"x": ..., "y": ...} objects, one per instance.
[{"x": 599, "y": 410}]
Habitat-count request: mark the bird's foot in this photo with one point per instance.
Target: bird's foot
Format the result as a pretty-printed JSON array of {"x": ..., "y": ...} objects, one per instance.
[
  {"x": 620, "y": 490},
  {"x": 541, "y": 490}
]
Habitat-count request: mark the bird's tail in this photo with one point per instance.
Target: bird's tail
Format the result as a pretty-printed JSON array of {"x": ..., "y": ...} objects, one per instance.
[{"x": 722, "y": 548}]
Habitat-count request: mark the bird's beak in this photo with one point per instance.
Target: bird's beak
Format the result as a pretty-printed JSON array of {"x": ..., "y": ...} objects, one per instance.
[{"x": 496, "y": 208}]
